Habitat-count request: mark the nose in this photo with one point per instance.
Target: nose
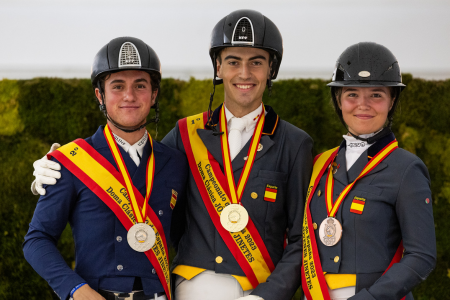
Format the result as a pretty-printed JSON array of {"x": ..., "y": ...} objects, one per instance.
[
  {"x": 129, "y": 94},
  {"x": 245, "y": 72},
  {"x": 364, "y": 102}
]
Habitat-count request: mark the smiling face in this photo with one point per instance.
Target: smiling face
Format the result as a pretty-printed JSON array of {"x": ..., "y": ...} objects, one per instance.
[
  {"x": 365, "y": 109},
  {"x": 128, "y": 97},
  {"x": 244, "y": 71}
]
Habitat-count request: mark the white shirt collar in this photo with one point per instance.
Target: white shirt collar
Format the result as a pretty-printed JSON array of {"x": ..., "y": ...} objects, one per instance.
[
  {"x": 355, "y": 148},
  {"x": 139, "y": 145},
  {"x": 252, "y": 117}
]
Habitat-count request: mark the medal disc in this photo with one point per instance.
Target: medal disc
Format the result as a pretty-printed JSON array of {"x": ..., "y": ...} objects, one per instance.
[
  {"x": 330, "y": 231},
  {"x": 141, "y": 237},
  {"x": 234, "y": 218}
]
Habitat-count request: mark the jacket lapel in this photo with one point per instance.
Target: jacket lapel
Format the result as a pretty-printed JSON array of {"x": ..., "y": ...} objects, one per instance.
[
  {"x": 341, "y": 173},
  {"x": 212, "y": 143},
  {"x": 239, "y": 161}
]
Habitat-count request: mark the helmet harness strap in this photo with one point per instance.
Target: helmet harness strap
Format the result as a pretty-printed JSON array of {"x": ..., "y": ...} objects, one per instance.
[{"x": 211, "y": 98}]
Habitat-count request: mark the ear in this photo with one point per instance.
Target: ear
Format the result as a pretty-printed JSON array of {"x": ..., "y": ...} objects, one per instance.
[
  {"x": 219, "y": 69},
  {"x": 98, "y": 95},
  {"x": 392, "y": 103},
  {"x": 154, "y": 94}
]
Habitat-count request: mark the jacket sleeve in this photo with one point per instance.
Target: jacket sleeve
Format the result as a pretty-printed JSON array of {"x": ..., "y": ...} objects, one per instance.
[
  {"x": 173, "y": 139},
  {"x": 177, "y": 228},
  {"x": 49, "y": 220},
  {"x": 415, "y": 217},
  {"x": 285, "y": 279}
]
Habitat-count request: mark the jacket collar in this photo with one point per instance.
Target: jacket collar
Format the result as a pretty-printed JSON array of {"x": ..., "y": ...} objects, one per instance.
[
  {"x": 161, "y": 157},
  {"x": 365, "y": 157},
  {"x": 212, "y": 142},
  {"x": 270, "y": 123}
]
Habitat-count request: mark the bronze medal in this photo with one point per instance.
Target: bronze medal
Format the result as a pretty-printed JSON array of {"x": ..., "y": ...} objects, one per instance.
[{"x": 330, "y": 231}]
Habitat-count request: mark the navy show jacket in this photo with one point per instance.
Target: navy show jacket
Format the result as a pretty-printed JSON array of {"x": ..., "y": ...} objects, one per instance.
[
  {"x": 103, "y": 257},
  {"x": 397, "y": 207}
]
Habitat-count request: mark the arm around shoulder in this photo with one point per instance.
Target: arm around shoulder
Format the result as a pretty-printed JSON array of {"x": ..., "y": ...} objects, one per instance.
[{"x": 49, "y": 220}]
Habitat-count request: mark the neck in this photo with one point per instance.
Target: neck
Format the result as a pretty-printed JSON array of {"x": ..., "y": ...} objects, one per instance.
[
  {"x": 130, "y": 137},
  {"x": 239, "y": 110},
  {"x": 364, "y": 135}
]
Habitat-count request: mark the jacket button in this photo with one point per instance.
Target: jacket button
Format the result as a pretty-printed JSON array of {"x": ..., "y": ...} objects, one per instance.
[
  {"x": 120, "y": 267},
  {"x": 319, "y": 193},
  {"x": 219, "y": 259},
  {"x": 315, "y": 225},
  {"x": 336, "y": 259},
  {"x": 254, "y": 195},
  {"x": 119, "y": 238},
  {"x": 153, "y": 271},
  {"x": 160, "y": 212}
]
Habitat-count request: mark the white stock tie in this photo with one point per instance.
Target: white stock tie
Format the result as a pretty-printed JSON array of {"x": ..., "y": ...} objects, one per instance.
[
  {"x": 134, "y": 155},
  {"x": 234, "y": 135}
]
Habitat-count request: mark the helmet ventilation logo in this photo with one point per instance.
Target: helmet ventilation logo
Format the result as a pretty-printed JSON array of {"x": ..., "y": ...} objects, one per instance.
[
  {"x": 129, "y": 56},
  {"x": 364, "y": 74},
  {"x": 243, "y": 32}
]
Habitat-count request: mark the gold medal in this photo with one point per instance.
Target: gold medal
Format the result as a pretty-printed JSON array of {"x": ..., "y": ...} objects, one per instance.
[
  {"x": 330, "y": 231},
  {"x": 234, "y": 218},
  {"x": 141, "y": 237}
]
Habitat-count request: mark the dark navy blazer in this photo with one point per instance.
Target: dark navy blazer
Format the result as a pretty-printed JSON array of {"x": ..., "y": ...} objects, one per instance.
[
  {"x": 396, "y": 208},
  {"x": 285, "y": 161},
  {"x": 103, "y": 257}
]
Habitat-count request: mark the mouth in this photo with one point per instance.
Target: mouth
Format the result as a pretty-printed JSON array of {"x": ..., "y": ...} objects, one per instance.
[
  {"x": 244, "y": 87},
  {"x": 364, "y": 117},
  {"x": 129, "y": 107}
]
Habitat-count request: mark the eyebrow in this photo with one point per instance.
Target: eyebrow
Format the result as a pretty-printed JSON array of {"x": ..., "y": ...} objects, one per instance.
[
  {"x": 251, "y": 58},
  {"x": 372, "y": 90},
  {"x": 122, "y": 81}
]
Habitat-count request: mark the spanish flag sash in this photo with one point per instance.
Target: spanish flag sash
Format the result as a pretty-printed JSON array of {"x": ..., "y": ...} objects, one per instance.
[
  {"x": 118, "y": 192},
  {"x": 313, "y": 279},
  {"x": 218, "y": 191}
]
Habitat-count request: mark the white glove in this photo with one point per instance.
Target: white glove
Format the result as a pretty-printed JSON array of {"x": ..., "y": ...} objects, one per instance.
[
  {"x": 250, "y": 297},
  {"x": 44, "y": 172}
]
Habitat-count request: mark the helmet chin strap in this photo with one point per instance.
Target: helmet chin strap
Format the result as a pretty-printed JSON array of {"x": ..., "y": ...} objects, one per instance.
[
  {"x": 370, "y": 140},
  {"x": 117, "y": 125}
]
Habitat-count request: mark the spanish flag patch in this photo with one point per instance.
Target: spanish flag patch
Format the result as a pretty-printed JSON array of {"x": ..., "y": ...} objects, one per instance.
[
  {"x": 173, "y": 200},
  {"x": 270, "y": 193},
  {"x": 358, "y": 205}
]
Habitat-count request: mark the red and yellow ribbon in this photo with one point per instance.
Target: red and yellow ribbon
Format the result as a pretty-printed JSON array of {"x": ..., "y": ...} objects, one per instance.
[
  {"x": 118, "y": 192},
  {"x": 236, "y": 193},
  {"x": 332, "y": 208},
  {"x": 313, "y": 279},
  {"x": 216, "y": 189}
]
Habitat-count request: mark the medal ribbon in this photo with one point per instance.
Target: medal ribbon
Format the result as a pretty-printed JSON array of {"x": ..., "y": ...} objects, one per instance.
[
  {"x": 102, "y": 178},
  {"x": 236, "y": 194},
  {"x": 247, "y": 245},
  {"x": 313, "y": 280},
  {"x": 139, "y": 214},
  {"x": 379, "y": 157}
]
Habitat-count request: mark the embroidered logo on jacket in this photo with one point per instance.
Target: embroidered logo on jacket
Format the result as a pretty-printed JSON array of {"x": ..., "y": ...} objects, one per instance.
[
  {"x": 173, "y": 200},
  {"x": 270, "y": 193},
  {"x": 357, "y": 205}
]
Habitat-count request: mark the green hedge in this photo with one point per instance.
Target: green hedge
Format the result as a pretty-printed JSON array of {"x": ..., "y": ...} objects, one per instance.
[{"x": 35, "y": 113}]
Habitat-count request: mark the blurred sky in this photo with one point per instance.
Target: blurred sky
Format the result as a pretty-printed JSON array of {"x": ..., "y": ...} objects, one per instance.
[{"x": 59, "y": 38}]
